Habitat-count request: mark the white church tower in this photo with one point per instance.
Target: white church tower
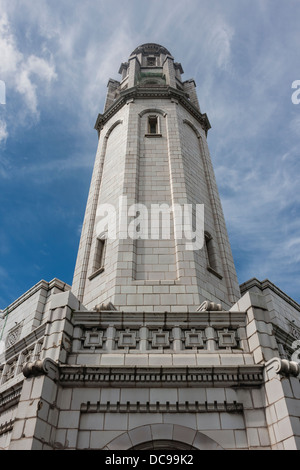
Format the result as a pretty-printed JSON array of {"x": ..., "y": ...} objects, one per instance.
[{"x": 155, "y": 346}]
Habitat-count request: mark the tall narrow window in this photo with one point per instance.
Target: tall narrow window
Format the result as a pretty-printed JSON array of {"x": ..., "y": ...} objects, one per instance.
[
  {"x": 212, "y": 264},
  {"x": 100, "y": 252},
  {"x": 153, "y": 125},
  {"x": 98, "y": 265}
]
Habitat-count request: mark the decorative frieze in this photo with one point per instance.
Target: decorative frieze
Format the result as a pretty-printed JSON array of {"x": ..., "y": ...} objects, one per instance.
[
  {"x": 193, "y": 339},
  {"x": 93, "y": 339},
  {"x": 105, "y": 332},
  {"x": 10, "y": 398},
  {"x": 127, "y": 339},
  {"x": 227, "y": 339},
  {"x": 162, "y": 376},
  {"x": 294, "y": 330},
  {"x": 7, "y": 426},
  {"x": 160, "y": 339},
  {"x": 13, "y": 335},
  {"x": 147, "y": 407},
  {"x": 15, "y": 364}
]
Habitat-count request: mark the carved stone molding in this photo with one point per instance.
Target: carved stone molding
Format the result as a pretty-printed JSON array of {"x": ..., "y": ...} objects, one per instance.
[
  {"x": 163, "y": 92},
  {"x": 40, "y": 367},
  {"x": 283, "y": 367},
  {"x": 13, "y": 335},
  {"x": 147, "y": 407},
  {"x": 161, "y": 376},
  {"x": 7, "y": 426},
  {"x": 200, "y": 319},
  {"x": 10, "y": 398},
  {"x": 209, "y": 306}
]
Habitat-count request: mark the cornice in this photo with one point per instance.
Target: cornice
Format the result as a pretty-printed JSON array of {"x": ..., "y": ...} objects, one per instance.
[
  {"x": 266, "y": 284},
  {"x": 185, "y": 320},
  {"x": 161, "y": 376},
  {"x": 166, "y": 92},
  {"x": 40, "y": 285},
  {"x": 157, "y": 407}
]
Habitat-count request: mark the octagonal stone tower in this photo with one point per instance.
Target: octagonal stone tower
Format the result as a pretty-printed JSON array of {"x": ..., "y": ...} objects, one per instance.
[{"x": 153, "y": 152}]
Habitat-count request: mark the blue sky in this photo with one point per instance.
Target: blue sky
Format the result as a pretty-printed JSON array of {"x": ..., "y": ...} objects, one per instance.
[{"x": 56, "y": 59}]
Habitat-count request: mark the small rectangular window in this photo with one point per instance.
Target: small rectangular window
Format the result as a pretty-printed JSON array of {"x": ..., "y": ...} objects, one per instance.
[
  {"x": 151, "y": 61},
  {"x": 212, "y": 265},
  {"x": 153, "y": 125}
]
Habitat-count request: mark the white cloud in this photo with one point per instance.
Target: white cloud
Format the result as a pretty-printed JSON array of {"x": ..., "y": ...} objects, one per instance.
[
  {"x": 295, "y": 124},
  {"x": 33, "y": 66},
  {"x": 3, "y": 131},
  {"x": 219, "y": 40},
  {"x": 21, "y": 73}
]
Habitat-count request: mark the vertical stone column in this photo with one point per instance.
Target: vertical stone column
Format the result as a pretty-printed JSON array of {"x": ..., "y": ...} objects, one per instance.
[
  {"x": 176, "y": 331},
  {"x": 143, "y": 338},
  {"x": 210, "y": 338},
  {"x": 110, "y": 338}
]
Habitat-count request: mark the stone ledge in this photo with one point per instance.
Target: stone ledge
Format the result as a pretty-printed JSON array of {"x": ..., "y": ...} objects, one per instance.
[
  {"x": 184, "y": 319},
  {"x": 163, "y": 92},
  {"x": 147, "y": 407},
  {"x": 162, "y": 376}
]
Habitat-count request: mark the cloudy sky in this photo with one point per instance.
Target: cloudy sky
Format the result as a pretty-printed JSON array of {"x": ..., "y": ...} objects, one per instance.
[{"x": 56, "y": 58}]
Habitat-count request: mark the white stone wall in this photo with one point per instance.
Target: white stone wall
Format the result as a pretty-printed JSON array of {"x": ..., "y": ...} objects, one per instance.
[
  {"x": 83, "y": 426},
  {"x": 282, "y": 395}
]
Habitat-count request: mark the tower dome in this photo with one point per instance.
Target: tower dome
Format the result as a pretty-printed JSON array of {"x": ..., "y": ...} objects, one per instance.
[{"x": 150, "y": 49}]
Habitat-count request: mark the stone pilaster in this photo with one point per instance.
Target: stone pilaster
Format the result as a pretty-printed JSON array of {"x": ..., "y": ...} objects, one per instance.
[
  {"x": 189, "y": 87},
  {"x": 134, "y": 69},
  {"x": 37, "y": 414}
]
